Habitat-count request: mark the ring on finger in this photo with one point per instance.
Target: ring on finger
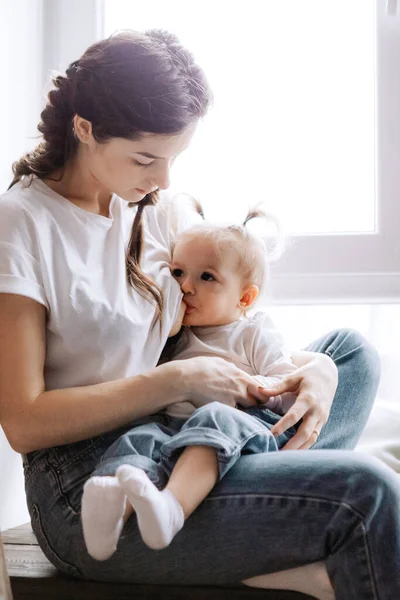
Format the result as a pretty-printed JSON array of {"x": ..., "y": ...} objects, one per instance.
[{"x": 317, "y": 432}]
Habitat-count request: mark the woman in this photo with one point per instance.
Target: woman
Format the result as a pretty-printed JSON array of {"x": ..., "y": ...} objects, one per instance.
[{"x": 84, "y": 322}]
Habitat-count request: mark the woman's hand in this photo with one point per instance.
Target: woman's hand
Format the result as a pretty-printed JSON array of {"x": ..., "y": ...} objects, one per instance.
[
  {"x": 314, "y": 384},
  {"x": 208, "y": 379}
]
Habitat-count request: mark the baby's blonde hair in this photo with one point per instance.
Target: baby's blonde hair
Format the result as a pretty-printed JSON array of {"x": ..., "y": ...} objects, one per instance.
[{"x": 254, "y": 252}]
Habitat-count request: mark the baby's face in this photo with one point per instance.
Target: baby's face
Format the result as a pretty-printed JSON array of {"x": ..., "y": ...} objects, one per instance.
[{"x": 209, "y": 280}]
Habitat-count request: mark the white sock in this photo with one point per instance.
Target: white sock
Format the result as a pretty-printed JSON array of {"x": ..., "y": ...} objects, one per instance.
[
  {"x": 159, "y": 514},
  {"x": 103, "y": 507}
]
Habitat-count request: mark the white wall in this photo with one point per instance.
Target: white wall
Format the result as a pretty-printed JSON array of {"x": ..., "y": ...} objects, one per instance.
[
  {"x": 36, "y": 37},
  {"x": 20, "y": 105},
  {"x": 20, "y": 80}
]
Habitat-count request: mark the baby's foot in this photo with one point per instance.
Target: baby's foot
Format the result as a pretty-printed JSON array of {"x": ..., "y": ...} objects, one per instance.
[
  {"x": 103, "y": 507},
  {"x": 159, "y": 514}
]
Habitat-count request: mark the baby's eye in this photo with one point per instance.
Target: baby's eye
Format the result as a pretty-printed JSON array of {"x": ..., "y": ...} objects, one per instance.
[
  {"x": 177, "y": 272},
  {"x": 207, "y": 276}
]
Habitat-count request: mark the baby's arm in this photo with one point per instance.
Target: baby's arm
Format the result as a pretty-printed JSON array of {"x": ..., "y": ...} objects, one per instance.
[{"x": 271, "y": 361}]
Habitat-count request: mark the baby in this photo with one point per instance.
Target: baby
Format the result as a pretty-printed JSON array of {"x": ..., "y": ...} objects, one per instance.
[{"x": 221, "y": 271}]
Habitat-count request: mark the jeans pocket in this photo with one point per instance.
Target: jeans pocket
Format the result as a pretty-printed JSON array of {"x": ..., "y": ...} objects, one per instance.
[
  {"x": 47, "y": 548},
  {"x": 65, "y": 457}
]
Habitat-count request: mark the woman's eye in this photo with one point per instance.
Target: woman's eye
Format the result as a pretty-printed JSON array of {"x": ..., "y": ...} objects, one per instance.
[
  {"x": 139, "y": 164},
  {"x": 177, "y": 272},
  {"x": 207, "y": 276}
]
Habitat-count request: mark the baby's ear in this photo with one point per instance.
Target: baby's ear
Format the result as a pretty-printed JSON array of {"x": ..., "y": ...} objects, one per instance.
[{"x": 248, "y": 296}]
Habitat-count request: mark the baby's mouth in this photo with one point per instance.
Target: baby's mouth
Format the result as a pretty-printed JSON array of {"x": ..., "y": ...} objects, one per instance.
[{"x": 189, "y": 307}]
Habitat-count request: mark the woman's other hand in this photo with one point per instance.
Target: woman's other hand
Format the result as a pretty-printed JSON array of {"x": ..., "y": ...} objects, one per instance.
[{"x": 314, "y": 383}]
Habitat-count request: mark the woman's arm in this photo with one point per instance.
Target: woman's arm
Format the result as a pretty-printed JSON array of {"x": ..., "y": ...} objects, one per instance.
[
  {"x": 33, "y": 418},
  {"x": 314, "y": 383}
]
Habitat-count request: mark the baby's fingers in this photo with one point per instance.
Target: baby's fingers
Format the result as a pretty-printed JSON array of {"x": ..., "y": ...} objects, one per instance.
[
  {"x": 288, "y": 384},
  {"x": 256, "y": 392}
]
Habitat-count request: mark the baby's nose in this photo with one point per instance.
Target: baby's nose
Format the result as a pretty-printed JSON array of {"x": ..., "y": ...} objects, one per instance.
[{"x": 187, "y": 286}]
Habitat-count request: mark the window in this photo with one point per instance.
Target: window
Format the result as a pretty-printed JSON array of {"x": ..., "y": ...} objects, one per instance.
[
  {"x": 293, "y": 123},
  {"x": 306, "y": 117}
]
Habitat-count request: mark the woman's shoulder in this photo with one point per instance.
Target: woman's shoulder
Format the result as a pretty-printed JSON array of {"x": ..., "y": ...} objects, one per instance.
[
  {"x": 25, "y": 215},
  {"x": 22, "y": 202},
  {"x": 17, "y": 209}
]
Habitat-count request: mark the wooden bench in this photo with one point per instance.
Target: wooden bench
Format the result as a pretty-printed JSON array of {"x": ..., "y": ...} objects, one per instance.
[{"x": 34, "y": 578}]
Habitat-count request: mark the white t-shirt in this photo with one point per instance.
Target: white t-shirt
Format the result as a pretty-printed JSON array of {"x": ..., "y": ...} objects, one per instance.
[
  {"x": 73, "y": 262},
  {"x": 253, "y": 344}
]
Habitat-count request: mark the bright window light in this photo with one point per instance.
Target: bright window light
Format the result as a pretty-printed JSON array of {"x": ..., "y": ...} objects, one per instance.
[{"x": 293, "y": 123}]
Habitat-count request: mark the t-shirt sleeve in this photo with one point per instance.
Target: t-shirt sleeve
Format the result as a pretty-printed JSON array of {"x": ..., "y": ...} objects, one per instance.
[
  {"x": 270, "y": 360},
  {"x": 268, "y": 354},
  {"x": 20, "y": 269}
]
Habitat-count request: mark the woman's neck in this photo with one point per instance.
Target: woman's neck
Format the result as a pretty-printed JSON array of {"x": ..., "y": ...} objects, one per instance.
[{"x": 80, "y": 187}]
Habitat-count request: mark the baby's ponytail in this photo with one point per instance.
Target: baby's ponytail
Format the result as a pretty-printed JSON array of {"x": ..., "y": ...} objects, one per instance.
[{"x": 274, "y": 241}]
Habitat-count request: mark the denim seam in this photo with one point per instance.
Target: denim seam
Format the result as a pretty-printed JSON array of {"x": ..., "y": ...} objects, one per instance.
[
  {"x": 62, "y": 495},
  {"x": 329, "y": 352},
  {"x": 369, "y": 561},
  {"x": 57, "y": 463},
  {"x": 317, "y": 499},
  {"x": 291, "y": 497},
  {"x": 69, "y": 566},
  {"x": 30, "y": 472}
]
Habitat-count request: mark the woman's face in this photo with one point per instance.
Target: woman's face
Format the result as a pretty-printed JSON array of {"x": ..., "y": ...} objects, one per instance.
[{"x": 132, "y": 169}]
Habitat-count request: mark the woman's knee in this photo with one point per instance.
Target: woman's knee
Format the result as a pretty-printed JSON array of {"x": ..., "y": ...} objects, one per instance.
[
  {"x": 368, "y": 481},
  {"x": 351, "y": 344}
]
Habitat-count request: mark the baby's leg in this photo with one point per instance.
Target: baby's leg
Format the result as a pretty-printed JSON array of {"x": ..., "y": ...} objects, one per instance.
[
  {"x": 162, "y": 514},
  {"x": 104, "y": 505},
  {"x": 206, "y": 447}
]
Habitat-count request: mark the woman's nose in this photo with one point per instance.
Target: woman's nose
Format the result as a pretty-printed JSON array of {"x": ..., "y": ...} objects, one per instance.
[{"x": 162, "y": 177}]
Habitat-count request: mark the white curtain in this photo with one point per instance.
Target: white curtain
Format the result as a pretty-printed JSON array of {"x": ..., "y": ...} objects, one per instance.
[{"x": 22, "y": 81}]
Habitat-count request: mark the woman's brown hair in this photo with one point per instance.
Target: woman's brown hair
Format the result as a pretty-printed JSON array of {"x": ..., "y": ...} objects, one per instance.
[{"x": 128, "y": 84}]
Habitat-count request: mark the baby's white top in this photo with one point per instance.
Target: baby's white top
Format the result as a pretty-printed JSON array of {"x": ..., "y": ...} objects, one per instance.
[{"x": 253, "y": 344}]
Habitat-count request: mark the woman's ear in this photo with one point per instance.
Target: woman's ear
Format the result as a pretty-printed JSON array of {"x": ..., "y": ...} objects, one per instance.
[
  {"x": 248, "y": 296},
  {"x": 82, "y": 129}
]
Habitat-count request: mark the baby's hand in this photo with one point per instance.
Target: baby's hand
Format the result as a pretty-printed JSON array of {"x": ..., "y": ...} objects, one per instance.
[{"x": 178, "y": 323}]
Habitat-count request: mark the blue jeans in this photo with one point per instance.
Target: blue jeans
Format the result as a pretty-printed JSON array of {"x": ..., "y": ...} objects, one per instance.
[
  {"x": 155, "y": 443},
  {"x": 270, "y": 512}
]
